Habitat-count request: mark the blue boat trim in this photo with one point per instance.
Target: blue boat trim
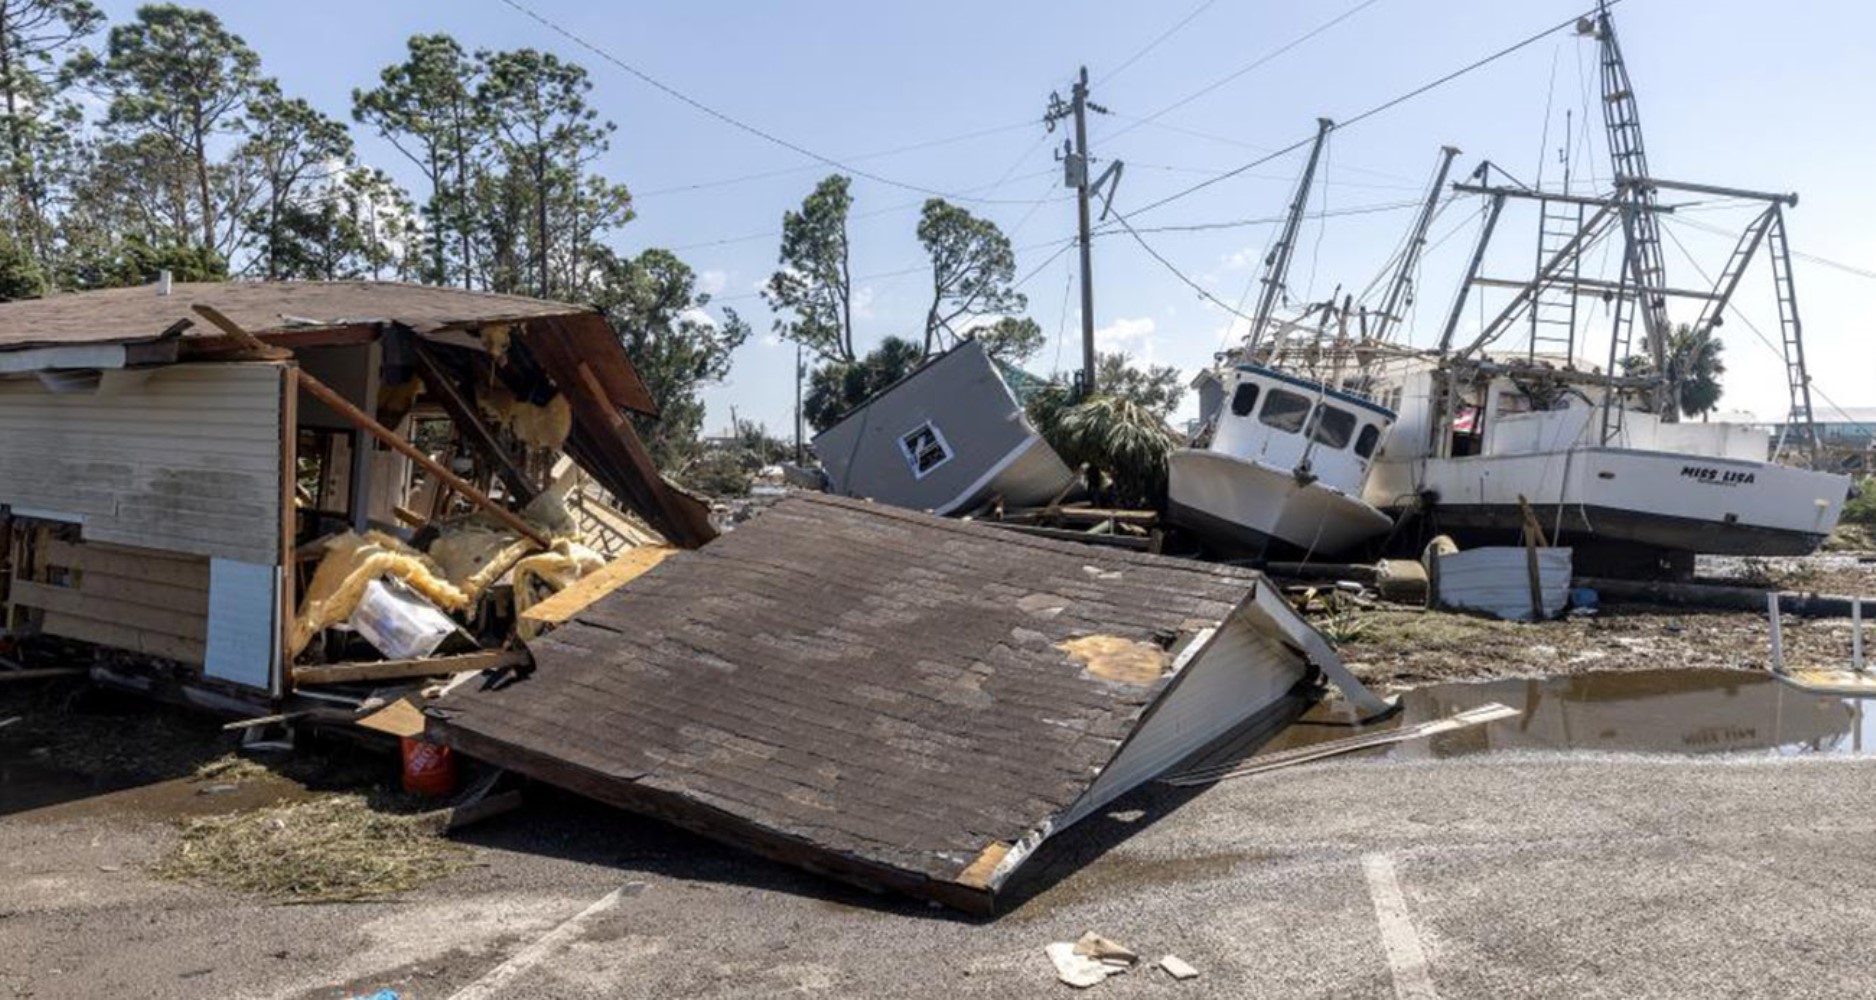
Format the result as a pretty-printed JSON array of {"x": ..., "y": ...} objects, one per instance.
[{"x": 1335, "y": 394}]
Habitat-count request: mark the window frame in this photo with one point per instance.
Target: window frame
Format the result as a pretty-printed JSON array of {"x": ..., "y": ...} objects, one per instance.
[
  {"x": 1277, "y": 393},
  {"x": 911, "y": 455},
  {"x": 1370, "y": 433},
  {"x": 1312, "y": 428},
  {"x": 1256, "y": 392}
]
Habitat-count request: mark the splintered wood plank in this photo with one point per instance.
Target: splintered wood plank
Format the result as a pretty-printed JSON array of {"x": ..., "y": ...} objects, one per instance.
[
  {"x": 125, "y": 637},
  {"x": 583, "y": 592},
  {"x": 65, "y": 600},
  {"x": 384, "y": 670},
  {"x": 171, "y": 568}
]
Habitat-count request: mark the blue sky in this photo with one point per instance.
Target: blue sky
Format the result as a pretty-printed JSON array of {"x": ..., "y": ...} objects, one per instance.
[{"x": 1778, "y": 98}]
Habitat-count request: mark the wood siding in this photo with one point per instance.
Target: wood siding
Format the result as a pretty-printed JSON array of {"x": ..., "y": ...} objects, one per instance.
[
  {"x": 134, "y": 599},
  {"x": 188, "y": 460}
]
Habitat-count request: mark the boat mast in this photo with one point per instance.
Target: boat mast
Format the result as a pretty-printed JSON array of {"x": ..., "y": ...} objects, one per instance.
[
  {"x": 1645, "y": 265},
  {"x": 1277, "y": 265},
  {"x": 1395, "y": 304}
]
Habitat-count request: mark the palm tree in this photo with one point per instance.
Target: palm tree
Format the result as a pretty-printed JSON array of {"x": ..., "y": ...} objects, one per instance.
[{"x": 1694, "y": 369}]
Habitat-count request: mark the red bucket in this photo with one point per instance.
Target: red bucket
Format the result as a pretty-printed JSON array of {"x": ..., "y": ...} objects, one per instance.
[{"x": 429, "y": 770}]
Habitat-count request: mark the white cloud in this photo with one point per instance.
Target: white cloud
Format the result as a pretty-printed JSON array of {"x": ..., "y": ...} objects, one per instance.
[
  {"x": 1241, "y": 259},
  {"x": 712, "y": 281},
  {"x": 1133, "y": 336},
  {"x": 698, "y": 316},
  {"x": 863, "y": 303}
]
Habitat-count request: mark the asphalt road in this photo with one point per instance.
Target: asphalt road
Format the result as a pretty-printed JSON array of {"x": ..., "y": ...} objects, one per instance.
[{"x": 1503, "y": 876}]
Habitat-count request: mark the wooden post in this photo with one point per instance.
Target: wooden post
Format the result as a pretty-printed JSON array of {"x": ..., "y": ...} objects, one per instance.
[
  {"x": 244, "y": 343},
  {"x": 462, "y": 413},
  {"x": 1856, "y": 634},
  {"x": 1533, "y": 537},
  {"x": 344, "y": 408},
  {"x": 1778, "y": 636}
]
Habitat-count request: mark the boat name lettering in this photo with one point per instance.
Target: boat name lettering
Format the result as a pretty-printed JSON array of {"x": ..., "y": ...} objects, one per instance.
[{"x": 1709, "y": 474}]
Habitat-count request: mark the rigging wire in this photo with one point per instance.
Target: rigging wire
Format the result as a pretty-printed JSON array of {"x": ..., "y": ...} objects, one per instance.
[{"x": 1756, "y": 332}]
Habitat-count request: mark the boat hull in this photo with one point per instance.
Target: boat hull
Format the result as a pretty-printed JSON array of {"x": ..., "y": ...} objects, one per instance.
[
  {"x": 1677, "y": 502},
  {"x": 1236, "y": 505}
]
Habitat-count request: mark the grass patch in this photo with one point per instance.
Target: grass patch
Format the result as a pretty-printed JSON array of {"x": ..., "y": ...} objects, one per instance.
[
  {"x": 1861, "y": 508},
  {"x": 336, "y": 848},
  {"x": 1424, "y": 630}
]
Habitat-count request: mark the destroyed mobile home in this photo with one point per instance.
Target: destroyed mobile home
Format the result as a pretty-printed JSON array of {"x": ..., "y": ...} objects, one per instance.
[
  {"x": 946, "y": 438},
  {"x": 892, "y": 698},
  {"x": 232, "y": 491}
]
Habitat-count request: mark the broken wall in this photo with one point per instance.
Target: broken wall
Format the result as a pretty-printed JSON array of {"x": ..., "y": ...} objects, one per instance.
[{"x": 182, "y": 459}]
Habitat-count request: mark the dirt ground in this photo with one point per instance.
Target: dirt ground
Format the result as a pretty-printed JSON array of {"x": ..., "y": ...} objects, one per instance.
[{"x": 1408, "y": 648}]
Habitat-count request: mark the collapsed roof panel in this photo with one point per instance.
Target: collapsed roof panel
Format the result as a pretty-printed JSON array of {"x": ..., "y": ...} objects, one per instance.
[
  {"x": 124, "y": 315},
  {"x": 886, "y": 696}
]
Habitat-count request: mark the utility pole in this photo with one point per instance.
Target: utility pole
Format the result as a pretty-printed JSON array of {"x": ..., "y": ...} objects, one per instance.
[
  {"x": 1075, "y": 161},
  {"x": 801, "y": 457}
]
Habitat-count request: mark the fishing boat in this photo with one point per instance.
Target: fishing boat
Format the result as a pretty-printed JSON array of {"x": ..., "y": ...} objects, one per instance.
[
  {"x": 1289, "y": 430},
  {"x": 1599, "y": 451}
]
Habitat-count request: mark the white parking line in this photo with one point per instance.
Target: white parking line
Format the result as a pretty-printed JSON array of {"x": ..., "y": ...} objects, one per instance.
[
  {"x": 1405, "y": 958},
  {"x": 490, "y": 985}
]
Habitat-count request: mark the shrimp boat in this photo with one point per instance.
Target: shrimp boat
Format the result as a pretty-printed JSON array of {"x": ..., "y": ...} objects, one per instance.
[
  {"x": 1599, "y": 452},
  {"x": 1282, "y": 458}
]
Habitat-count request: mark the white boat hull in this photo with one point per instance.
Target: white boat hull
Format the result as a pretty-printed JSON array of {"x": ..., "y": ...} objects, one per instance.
[
  {"x": 1691, "y": 503},
  {"x": 1237, "y": 504}
]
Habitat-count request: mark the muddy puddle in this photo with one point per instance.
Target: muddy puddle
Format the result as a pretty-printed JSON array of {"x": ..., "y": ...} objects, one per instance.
[
  {"x": 36, "y": 789},
  {"x": 1631, "y": 711}
]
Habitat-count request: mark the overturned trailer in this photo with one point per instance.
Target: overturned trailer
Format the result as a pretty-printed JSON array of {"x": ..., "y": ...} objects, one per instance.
[
  {"x": 946, "y": 438},
  {"x": 167, "y": 453}
]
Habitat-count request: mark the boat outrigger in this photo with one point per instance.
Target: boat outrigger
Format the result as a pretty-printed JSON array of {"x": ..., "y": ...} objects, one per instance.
[
  {"x": 1292, "y": 431},
  {"x": 1600, "y": 452}
]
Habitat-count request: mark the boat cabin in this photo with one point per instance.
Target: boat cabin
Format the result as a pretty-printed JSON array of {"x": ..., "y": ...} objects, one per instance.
[{"x": 1298, "y": 425}]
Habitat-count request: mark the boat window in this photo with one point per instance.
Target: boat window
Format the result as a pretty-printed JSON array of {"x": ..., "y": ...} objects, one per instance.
[
  {"x": 1370, "y": 436},
  {"x": 1331, "y": 426},
  {"x": 1285, "y": 410},
  {"x": 1244, "y": 400},
  {"x": 925, "y": 449}
]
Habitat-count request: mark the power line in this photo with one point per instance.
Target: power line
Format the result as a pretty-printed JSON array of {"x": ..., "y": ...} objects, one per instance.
[
  {"x": 1252, "y": 65},
  {"x": 1270, "y": 220},
  {"x": 1381, "y": 108},
  {"x": 875, "y": 213},
  {"x": 1155, "y": 43},
  {"x": 784, "y": 171},
  {"x": 1181, "y": 275},
  {"x": 731, "y": 120}
]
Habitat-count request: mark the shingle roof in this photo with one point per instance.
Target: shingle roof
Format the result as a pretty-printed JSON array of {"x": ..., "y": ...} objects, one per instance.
[
  {"x": 875, "y": 692},
  {"x": 126, "y": 315}
]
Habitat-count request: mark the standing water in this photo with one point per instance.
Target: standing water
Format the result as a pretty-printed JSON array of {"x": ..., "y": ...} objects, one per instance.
[{"x": 1640, "y": 711}]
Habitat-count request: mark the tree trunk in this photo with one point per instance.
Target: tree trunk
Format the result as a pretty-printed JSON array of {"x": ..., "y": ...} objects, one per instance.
[
  {"x": 846, "y": 300},
  {"x": 540, "y": 214}
]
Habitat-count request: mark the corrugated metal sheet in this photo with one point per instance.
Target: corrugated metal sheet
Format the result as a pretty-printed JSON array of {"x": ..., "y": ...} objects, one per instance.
[
  {"x": 1497, "y": 580},
  {"x": 186, "y": 461}
]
